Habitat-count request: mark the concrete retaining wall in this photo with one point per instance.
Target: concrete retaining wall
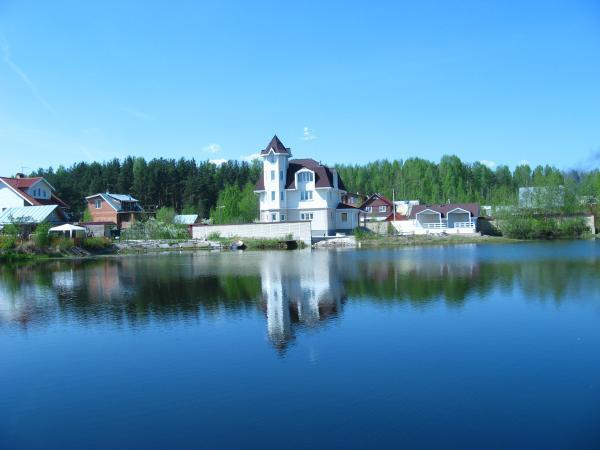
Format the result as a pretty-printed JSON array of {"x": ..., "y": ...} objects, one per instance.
[{"x": 300, "y": 231}]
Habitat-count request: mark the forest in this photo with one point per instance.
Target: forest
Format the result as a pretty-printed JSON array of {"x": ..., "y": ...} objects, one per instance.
[{"x": 199, "y": 187}]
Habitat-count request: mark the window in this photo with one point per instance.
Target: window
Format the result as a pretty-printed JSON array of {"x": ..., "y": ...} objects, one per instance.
[
  {"x": 306, "y": 216},
  {"x": 281, "y": 174},
  {"x": 273, "y": 217},
  {"x": 272, "y": 195},
  {"x": 281, "y": 195},
  {"x": 306, "y": 195},
  {"x": 305, "y": 176},
  {"x": 382, "y": 208},
  {"x": 98, "y": 203},
  {"x": 369, "y": 209},
  {"x": 352, "y": 200},
  {"x": 282, "y": 217},
  {"x": 344, "y": 217},
  {"x": 272, "y": 175}
]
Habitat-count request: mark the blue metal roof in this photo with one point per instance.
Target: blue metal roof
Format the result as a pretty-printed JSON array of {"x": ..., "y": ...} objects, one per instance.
[
  {"x": 26, "y": 214},
  {"x": 186, "y": 219}
]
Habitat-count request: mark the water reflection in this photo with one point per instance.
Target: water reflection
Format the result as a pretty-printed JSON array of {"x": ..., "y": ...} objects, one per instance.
[
  {"x": 293, "y": 290},
  {"x": 303, "y": 290}
]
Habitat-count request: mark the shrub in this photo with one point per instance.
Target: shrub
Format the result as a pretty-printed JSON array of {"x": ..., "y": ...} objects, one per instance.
[
  {"x": 165, "y": 215},
  {"x": 63, "y": 244},
  {"x": 7, "y": 242},
  {"x": 215, "y": 235},
  {"x": 41, "y": 238},
  {"x": 96, "y": 243}
]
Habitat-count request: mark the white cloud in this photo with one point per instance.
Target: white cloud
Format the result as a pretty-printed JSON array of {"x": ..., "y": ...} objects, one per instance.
[
  {"x": 212, "y": 148},
  {"x": 307, "y": 135},
  {"x": 487, "y": 162},
  {"x": 251, "y": 157},
  {"x": 7, "y": 57},
  {"x": 217, "y": 162}
]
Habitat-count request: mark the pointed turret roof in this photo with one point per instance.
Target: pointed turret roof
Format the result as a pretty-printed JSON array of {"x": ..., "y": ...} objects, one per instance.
[{"x": 277, "y": 147}]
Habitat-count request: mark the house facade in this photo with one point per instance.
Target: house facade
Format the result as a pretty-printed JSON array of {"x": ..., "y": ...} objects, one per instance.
[
  {"x": 451, "y": 217},
  {"x": 21, "y": 191},
  {"x": 119, "y": 209},
  {"x": 377, "y": 207},
  {"x": 302, "y": 190}
]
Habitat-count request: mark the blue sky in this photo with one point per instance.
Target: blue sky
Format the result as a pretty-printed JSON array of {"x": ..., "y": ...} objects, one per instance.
[{"x": 343, "y": 82}]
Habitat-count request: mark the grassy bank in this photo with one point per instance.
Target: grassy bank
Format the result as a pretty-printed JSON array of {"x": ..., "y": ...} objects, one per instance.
[
  {"x": 257, "y": 244},
  {"x": 13, "y": 248},
  {"x": 374, "y": 240}
]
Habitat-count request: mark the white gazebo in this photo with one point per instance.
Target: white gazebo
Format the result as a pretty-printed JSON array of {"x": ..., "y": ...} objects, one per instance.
[{"x": 68, "y": 230}]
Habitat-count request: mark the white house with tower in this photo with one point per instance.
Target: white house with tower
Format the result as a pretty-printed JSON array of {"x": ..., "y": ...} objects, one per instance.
[{"x": 303, "y": 189}]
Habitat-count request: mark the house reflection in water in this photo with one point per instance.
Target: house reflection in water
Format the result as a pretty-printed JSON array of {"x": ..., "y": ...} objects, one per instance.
[{"x": 303, "y": 290}]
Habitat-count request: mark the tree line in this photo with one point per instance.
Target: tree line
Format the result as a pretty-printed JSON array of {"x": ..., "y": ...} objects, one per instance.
[
  {"x": 184, "y": 184},
  {"x": 455, "y": 181},
  {"x": 226, "y": 191}
]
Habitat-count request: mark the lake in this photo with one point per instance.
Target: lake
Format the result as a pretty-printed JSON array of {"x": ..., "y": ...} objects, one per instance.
[{"x": 470, "y": 346}]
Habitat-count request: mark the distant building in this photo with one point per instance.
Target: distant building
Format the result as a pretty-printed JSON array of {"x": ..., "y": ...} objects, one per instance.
[
  {"x": 27, "y": 218},
  {"x": 377, "y": 207},
  {"x": 353, "y": 199},
  {"x": 186, "y": 219},
  {"x": 119, "y": 209},
  {"x": 445, "y": 218},
  {"x": 403, "y": 207},
  {"x": 542, "y": 197},
  {"x": 302, "y": 189},
  {"x": 22, "y": 191}
]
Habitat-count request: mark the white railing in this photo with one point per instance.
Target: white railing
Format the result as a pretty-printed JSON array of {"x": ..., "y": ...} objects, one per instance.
[
  {"x": 434, "y": 225},
  {"x": 443, "y": 225},
  {"x": 469, "y": 224}
]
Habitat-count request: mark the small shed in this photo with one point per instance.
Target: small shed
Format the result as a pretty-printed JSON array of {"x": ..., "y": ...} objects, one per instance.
[
  {"x": 69, "y": 231},
  {"x": 186, "y": 219}
]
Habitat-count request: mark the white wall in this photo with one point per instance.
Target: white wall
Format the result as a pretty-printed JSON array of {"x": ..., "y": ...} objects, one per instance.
[
  {"x": 300, "y": 231},
  {"x": 8, "y": 198}
]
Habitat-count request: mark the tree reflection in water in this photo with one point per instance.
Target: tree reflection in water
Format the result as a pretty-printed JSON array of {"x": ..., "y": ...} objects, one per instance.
[{"x": 294, "y": 290}]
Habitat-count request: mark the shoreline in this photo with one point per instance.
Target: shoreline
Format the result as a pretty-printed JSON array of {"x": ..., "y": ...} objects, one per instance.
[{"x": 257, "y": 245}]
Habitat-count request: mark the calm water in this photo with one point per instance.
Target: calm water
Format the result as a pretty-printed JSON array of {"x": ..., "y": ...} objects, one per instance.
[{"x": 491, "y": 346}]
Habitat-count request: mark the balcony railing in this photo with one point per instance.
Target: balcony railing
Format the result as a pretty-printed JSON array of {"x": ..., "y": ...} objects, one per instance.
[{"x": 444, "y": 225}]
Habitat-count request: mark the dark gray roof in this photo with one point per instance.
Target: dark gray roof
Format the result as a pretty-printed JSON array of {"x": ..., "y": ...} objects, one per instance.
[
  {"x": 324, "y": 175},
  {"x": 276, "y": 145},
  {"x": 444, "y": 209}
]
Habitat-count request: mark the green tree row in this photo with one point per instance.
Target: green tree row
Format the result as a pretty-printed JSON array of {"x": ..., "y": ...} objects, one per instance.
[
  {"x": 451, "y": 179},
  {"x": 183, "y": 184}
]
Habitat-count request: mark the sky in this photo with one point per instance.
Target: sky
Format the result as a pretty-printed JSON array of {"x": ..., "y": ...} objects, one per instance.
[{"x": 342, "y": 82}]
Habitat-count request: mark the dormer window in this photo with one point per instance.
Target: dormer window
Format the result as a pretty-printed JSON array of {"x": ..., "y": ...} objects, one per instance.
[{"x": 305, "y": 177}]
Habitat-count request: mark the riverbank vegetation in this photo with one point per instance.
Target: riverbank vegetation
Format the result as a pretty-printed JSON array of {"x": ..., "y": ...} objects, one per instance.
[{"x": 15, "y": 247}]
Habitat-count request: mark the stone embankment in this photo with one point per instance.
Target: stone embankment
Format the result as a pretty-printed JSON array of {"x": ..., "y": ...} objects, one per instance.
[
  {"x": 140, "y": 246},
  {"x": 346, "y": 241}
]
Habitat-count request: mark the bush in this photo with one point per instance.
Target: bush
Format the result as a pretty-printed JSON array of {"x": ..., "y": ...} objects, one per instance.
[
  {"x": 62, "y": 244},
  {"x": 362, "y": 233},
  {"x": 96, "y": 243},
  {"x": 165, "y": 215},
  {"x": 529, "y": 227},
  {"x": 154, "y": 229},
  {"x": 41, "y": 238},
  {"x": 214, "y": 236},
  {"x": 7, "y": 242}
]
